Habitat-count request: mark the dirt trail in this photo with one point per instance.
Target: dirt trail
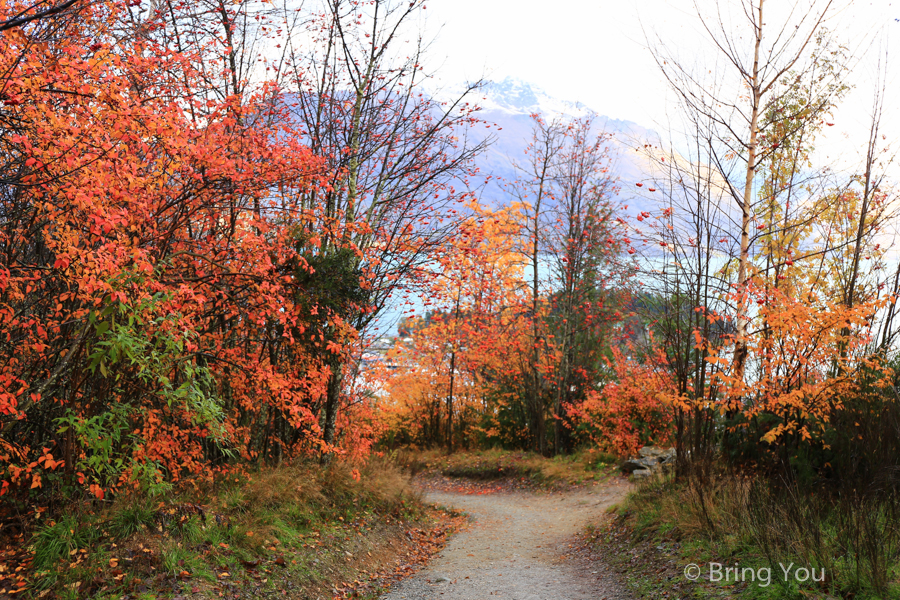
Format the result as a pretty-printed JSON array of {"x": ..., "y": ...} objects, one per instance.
[{"x": 514, "y": 549}]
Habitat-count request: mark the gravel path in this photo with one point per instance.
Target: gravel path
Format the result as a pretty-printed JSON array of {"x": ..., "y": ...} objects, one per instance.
[{"x": 514, "y": 550}]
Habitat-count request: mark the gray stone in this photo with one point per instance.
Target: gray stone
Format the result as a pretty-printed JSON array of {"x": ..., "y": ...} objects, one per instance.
[
  {"x": 651, "y": 459},
  {"x": 641, "y": 473},
  {"x": 632, "y": 464},
  {"x": 651, "y": 452},
  {"x": 660, "y": 454}
]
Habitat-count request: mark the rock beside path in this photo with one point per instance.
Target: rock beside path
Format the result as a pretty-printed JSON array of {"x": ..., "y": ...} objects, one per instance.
[{"x": 651, "y": 460}]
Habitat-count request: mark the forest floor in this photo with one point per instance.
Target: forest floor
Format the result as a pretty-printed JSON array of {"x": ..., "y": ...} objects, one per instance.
[
  {"x": 514, "y": 526},
  {"x": 299, "y": 532},
  {"x": 521, "y": 543}
]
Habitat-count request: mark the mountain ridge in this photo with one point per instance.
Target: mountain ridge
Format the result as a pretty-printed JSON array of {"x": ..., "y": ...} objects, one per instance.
[{"x": 508, "y": 106}]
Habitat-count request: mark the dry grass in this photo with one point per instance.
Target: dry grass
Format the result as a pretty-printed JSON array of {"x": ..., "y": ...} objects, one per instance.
[
  {"x": 854, "y": 538},
  {"x": 575, "y": 469},
  {"x": 298, "y": 527},
  {"x": 378, "y": 481}
]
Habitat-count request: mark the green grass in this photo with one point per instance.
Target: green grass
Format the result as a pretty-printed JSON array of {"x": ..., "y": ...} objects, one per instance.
[
  {"x": 262, "y": 529},
  {"x": 663, "y": 526},
  {"x": 177, "y": 559}
]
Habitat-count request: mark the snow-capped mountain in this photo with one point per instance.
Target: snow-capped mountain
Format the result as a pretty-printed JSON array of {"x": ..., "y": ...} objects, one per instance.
[
  {"x": 508, "y": 106},
  {"x": 515, "y": 96}
]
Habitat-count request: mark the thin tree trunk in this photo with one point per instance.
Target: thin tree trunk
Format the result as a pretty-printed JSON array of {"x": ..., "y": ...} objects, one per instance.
[
  {"x": 562, "y": 388},
  {"x": 332, "y": 405},
  {"x": 742, "y": 317},
  {"x": 536, "y": 352},
  {"x": 450, "y": 403},
  {"x": 452, "y": 373}
]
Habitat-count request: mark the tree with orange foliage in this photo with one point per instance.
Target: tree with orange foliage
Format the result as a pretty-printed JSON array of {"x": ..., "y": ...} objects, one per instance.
[
  {"x": 147, "y": 267},
  {"x": 571, "y": 229},
  {"x": 633, "y": 409},
  {"x": 474, "y": 282},
  {"x": 398, "y": 160}
]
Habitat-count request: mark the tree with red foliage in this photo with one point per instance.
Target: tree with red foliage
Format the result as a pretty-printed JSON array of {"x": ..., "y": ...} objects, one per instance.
[
  {"x": 571, "y": 227},
  {"x": 397, "y": 160},
  {"x": 147, "y": 291}
]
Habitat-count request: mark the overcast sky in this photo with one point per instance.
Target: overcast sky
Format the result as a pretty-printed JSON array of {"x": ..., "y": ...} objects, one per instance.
[{"x": 594, "y": 51}]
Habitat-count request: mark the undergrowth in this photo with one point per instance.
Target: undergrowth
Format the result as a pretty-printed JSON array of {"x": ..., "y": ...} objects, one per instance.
[
  {"x": 299, "y": 527},
  {"x": 762, "y": 529}
]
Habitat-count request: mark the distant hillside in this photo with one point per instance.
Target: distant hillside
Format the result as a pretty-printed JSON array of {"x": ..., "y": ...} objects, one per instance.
[{"x": 510, "y": 103}]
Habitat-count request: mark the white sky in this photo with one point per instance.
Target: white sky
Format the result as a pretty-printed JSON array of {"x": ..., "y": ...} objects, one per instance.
[{"x": 594, "y": 51}]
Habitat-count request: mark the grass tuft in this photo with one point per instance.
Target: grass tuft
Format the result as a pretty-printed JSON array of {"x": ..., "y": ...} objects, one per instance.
[
  {"x": 58, "y": 540},
  {"x": 131, "y": 519}
]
